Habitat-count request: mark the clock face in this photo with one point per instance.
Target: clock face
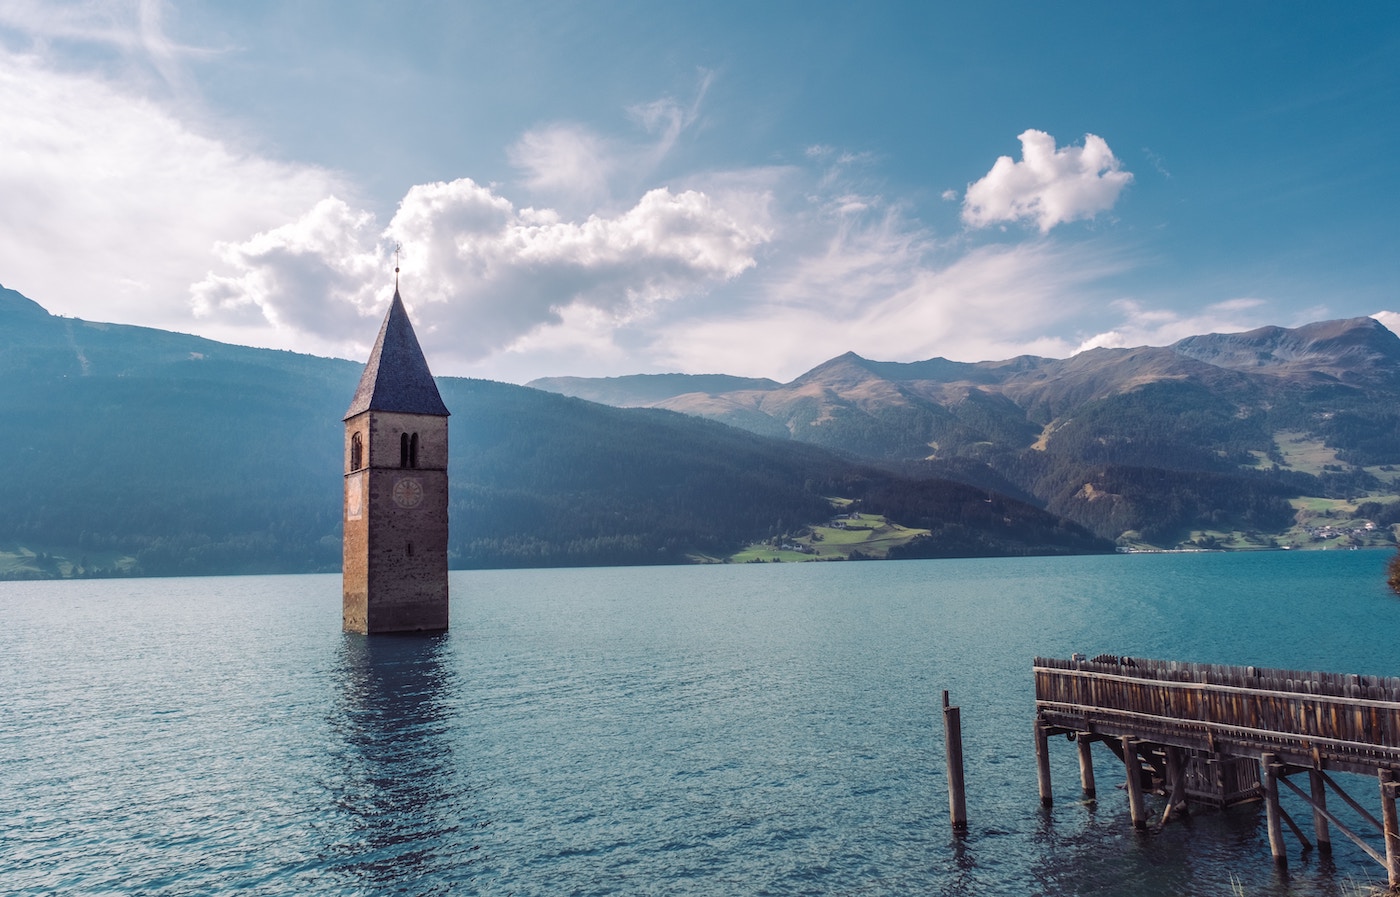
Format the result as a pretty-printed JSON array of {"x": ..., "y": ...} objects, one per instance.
[{"x": 408, "y": 492}]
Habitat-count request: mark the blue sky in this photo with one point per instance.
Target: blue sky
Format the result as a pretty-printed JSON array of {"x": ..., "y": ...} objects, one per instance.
[{"x": 610, "y": 188}]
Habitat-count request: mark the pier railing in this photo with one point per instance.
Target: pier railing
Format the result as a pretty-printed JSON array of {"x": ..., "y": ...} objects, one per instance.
[
  {"x": 1223, "y": 734},
  {"x": 1337, "y": 721}
]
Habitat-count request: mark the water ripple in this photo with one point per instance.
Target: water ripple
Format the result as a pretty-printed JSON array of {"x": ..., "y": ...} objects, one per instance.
[{"x": 602, "y": 732}]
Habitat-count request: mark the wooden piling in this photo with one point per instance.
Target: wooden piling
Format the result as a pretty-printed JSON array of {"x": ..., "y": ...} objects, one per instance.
[
  {"x": 1389, "y": 787},
  {"x": 1318, "y": 787},
  {"x": 1176, "y": 788},
  {"x": 952, "y": 742},
  {"x": 1086, "y": 764},
  {"x": 1274, "y": 816},
  {"x": 1133, "y": 766},
  {"x": 1042, "y": 763}
]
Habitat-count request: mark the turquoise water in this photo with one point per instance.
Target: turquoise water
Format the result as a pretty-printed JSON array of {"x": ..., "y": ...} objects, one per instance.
[{"x": 758, "y": 729}]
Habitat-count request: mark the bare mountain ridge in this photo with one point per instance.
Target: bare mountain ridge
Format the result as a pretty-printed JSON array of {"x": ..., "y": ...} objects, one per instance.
[
  {"x": 1356, "y": 352},
  {"x": 1214, "y": 432}
]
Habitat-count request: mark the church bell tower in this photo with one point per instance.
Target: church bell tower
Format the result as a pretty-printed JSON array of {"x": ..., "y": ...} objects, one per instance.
[{"x": 395, "y": 567}]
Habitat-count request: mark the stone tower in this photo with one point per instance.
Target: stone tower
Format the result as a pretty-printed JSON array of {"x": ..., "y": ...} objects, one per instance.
[{"x": 395, "y": 569}]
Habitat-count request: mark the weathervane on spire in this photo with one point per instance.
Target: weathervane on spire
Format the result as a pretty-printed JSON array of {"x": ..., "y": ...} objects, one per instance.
[{"x": 397, "y": 247}]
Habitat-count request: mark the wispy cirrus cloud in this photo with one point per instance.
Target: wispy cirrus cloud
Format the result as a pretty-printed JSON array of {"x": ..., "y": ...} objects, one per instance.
[
  {"x": 131, "y": 34},
  {"x": 1142, "y": 325},
  {"x": 570, "y": 165},
  {"x": 91, "y": 172},
  {"x": 1049, "y": 186},
  {"x": 889, "y": 292}
]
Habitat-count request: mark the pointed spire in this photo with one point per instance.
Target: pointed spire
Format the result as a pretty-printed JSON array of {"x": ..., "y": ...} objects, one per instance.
[{"x": 396, "y": 377}]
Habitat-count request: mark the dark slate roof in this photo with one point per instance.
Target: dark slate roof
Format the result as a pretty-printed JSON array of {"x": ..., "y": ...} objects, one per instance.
[{"x": 396, "y": 377}]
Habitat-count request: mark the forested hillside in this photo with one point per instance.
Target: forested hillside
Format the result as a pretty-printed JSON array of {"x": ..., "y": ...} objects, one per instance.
[{"x": 136, "y": 451}]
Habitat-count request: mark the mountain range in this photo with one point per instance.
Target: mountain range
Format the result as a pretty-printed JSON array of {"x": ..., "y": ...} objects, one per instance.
[
  {"x": 1277, "y": 436},
  {"x": 129, "y": 451}
]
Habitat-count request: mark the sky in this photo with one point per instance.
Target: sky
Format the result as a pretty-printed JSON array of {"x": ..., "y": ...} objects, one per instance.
[{"x": 608, "y": 188}]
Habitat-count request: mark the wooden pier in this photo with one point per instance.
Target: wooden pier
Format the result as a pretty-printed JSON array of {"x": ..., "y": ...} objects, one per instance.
[{"x": 1222, "y": 735}]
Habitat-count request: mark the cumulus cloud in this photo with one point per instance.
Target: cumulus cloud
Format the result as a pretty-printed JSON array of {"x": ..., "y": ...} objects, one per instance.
[
  {"x": 301, "y": 276},
  {"x": 480, "y": 273},
  {"x": 1048, "y": 186}
]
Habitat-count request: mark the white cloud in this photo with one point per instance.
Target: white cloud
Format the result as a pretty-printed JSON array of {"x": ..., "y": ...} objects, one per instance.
[
  {"x": 565, "y": 160},
  {"x": 1048, "y": 186},
  {"x": 876, "y": 282},
  {"x": 481, "y": 274},
  {"x": 301, "y": 277},
  {"x": 668, "y": 118},
  {"x": 1143, "y": 326},
  {"x": 1390, "y": 319},
  {"x": 569, "y": 165},
  {"x": 127, "y": 36},
  {"x": 766, "y": 270},
  {"x": 134, "y": 195}
]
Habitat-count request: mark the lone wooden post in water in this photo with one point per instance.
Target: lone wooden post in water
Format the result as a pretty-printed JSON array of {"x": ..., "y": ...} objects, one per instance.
[
  {"x": 395, "y": 564},
  {"x": 1042, "y": 764},
  {"x": 952, "y": 741}
]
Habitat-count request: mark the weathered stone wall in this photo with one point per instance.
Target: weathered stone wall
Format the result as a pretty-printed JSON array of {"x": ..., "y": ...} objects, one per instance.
[
  {"x": 355, "y": 562},
  {"x": 395, "y": 565},
  {"x": 385, "y": 428}
]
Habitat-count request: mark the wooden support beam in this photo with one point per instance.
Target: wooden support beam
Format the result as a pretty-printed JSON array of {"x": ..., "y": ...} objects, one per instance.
[
  {"x": 1176, "y": 783},
  {"x": 1389, "y": 788},
  {"x": 1086, "y": 764},
  {"x": 1341, "y": 826},
  {"x": 1297, "y": 830},
  {"x": 1269, "y": 776},
  {"x": 1042, "y": 763},
  {"x": 1133, "y": 767},
  {"x": 1360, "y": 810},
  {"x": 1318, "y": 788},
  {"x": 952, "y": 743}
]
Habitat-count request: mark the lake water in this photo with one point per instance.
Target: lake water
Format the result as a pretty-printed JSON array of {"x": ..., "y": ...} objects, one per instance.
[{"x": 756, "y": 729}]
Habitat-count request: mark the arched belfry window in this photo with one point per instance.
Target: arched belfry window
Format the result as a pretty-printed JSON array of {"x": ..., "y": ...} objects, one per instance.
[
  {"x": 357, "y": 451},
  {"x": 413, "y": 450},
  {"x": 403, "y": 449}
]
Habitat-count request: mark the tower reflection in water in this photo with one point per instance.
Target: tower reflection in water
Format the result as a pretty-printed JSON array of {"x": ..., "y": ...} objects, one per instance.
[{"x": 404, "y": 807}]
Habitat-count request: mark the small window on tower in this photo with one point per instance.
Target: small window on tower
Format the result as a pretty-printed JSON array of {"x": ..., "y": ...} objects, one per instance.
[
  {"x": 357, "y": 452},
  {"x": 413, "y": 450},
  {"x": 410, "y": 549},
  {"x": 403, "y": 449}
]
